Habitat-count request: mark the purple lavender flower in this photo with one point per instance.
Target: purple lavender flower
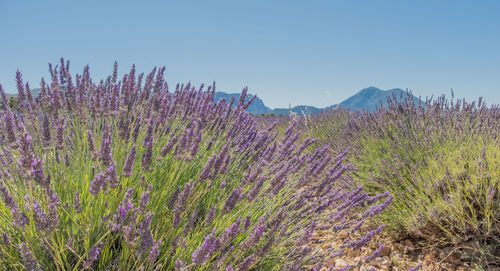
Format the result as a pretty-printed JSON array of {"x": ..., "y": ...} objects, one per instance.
[
  {"x": 207, "y": 169},
  {"x": 377, "y": 209},
  {"x": 46, "y": 137},
  {"x": 492, "y": 193},
  {"x": 177, "y": 217},
  {"x": 125, "y": 211},
  {"x": 256, "y": 188},
  {"x": 67, "y": 162},
  {"x": 20, "y": 219},
  {"x": 173, "y": 198},
  {"x": 149, "y": 134},
  {"x": 105, "y": 151},
  {"x": 60, "y": 134},
  {"x": 357, "y": 244},
  {"x": 137, "y": 128},
  {"x": 148, "y": 155},
  {"x": 4, "y": 98},
  {"x": 254, "y": 238},
  {"x": 183, "y": 143},
  {"x": 53, "y": 215},
  {"x": 210, "y": 216},
  {"x": 145, "y": 197},
  {"x": 178, "y": 265},
  {"x": 247, "y": 223},
  {"x": 41, "y": 219},
  {"x": 168, "y": 147},
  {"x": 90, "y": 141},
  {"x": 28, "y": 258},
  {"x": 58, "y": 160},
  {"x": 5, "y": 239},
  {"x": 26, "y": 151},
  {"x": 229, "y": 234},
  {"x": 232, "y": 200},
  {"x": 192, "y": 220},
  {"x": 223, "y": 168},
  {"x": 112, "y": 177},
  {"x": 155, "y": 251},
  {"x": 185, "y": 194},
  {"x": 21, "y": 96},
  {"x": 221, "y": 157},
  {"x": 375, "y": 254},
  {"x": 76, "y": 202},
  {"x": 196, "y": 144},
  {"x": 38, "y": 174},
  {"x": 203, "y": 252},
  {"x": 129, "y": 234},
  {"x": 245, "y": 265},
  {"x": 416, "y": 268},
  {"x": 97, "y": 184},
  {"x": 306, "y": 235},
  {"x": 10, "y": 127},
  {"x": 129, "y": 163},
  {"x": 250, "y": 177},
  {"x": 92, "y": 257},
  {"x": 145, "y": 233}
]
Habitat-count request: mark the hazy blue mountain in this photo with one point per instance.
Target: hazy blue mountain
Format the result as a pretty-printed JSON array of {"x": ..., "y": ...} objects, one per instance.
[
  {"x": 257, "y": 107},
  {"x": 369, "y": 99},
  {"x": 299, "y": 110},
  {"x": 34, "y": 93},
  {"x": 331, "y": 106}
]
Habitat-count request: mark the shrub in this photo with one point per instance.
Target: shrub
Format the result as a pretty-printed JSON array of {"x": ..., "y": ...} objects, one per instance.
[
  {"x": 117, "y": 175},
  {"x": 441, "y": 162}
]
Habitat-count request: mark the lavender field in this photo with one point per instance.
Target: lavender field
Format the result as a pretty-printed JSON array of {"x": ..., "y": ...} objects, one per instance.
[{"x": 133, "y": 174}]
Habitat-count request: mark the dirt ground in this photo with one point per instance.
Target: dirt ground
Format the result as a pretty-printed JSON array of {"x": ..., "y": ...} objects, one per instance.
[{"x": 403, "y": 254}]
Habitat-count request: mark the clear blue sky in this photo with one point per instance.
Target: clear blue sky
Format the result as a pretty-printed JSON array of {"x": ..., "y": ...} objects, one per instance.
[{"x": 299, "y": 52}]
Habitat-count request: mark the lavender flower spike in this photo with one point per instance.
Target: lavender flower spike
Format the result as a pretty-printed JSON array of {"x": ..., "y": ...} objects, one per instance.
[
  {"x": 155, "y": 251},
  {"x": 129, "y": 163},
  {"x": 90, "y": 141},
  {"x": 92, "y": 257},
  {"x": 29, "y": 261}
]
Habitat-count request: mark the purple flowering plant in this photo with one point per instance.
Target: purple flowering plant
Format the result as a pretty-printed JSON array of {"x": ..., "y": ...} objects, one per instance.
[
  {"x": 440, "y": 158},
  {"x": 127, "y": 174}
]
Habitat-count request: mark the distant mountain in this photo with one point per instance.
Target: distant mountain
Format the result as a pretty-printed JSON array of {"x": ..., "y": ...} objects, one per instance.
[
  {"x": 257, "y": 107},
  {"x": 369, "y": 99},
  {"x": 299, "y": 110},
  {"x": 34, "y": 93}
]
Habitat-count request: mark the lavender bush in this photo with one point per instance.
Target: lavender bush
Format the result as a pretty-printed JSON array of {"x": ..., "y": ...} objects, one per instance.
[
  {"x": 441, "y": 160},
  {"x": 125, "y": 175}
]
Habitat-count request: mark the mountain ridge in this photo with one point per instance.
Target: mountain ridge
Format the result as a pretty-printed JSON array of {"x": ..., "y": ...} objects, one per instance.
[{"x": 367, "y": 99}]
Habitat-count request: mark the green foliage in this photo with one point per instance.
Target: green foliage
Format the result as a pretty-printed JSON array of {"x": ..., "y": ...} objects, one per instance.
[
  {"x": 124, "y": 176},
  {"x": 442, "y": 164},
  {"x": 84, "y": 230},
  {"x": 443, "y": 193}
]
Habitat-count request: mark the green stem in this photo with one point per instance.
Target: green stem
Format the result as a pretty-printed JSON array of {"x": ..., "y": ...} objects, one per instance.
[{"x": 75, "y": 268}]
